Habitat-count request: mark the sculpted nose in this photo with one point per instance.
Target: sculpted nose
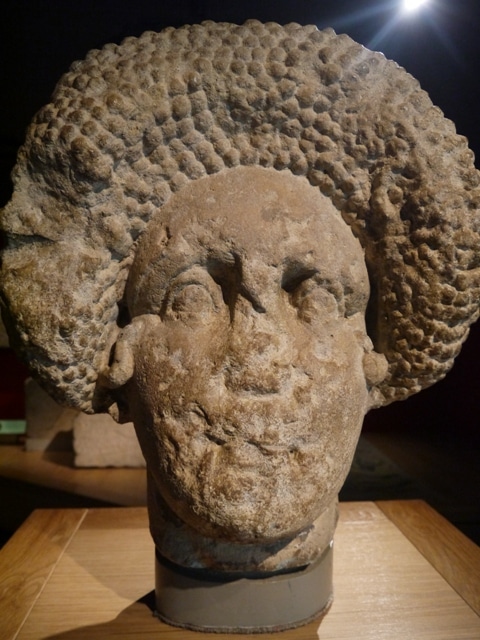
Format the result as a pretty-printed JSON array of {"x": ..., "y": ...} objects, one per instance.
[{"x": 259, "y": 357}]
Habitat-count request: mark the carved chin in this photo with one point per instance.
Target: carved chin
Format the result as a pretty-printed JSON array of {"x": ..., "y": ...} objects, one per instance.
[
  {"x": 244, "y": 490},
  {"x": 256, "y": 495}
]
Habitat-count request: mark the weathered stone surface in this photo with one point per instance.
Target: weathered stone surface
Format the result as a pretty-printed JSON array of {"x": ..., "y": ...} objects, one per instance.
[
  {"x": 242, "y": 365},
  {"x": 134, "y": 123},
  {"x": 99, "y": 441},
  {"x": 242, "y": 238}
]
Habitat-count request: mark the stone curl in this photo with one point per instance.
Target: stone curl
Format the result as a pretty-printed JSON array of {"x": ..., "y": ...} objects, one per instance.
[{"x": 133, "y": 123}]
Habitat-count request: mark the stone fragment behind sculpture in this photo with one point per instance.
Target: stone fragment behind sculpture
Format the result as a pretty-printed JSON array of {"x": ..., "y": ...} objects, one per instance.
[
  {"x": 98, "y": 441},
  {"x": 165, "y": 198},
  {"x": 95, "y": 440}
]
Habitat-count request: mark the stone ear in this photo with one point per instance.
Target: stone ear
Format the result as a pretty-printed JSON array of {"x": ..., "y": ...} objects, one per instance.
[
  {"x": 375, "y": 367},
  {"x": 122, "y": 364}
]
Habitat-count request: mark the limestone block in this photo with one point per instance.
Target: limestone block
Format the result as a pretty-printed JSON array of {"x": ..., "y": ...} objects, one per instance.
[
  {"x": 49, "y": 425},
  {"x": 97, "y": 441},
  {"x": 100, "y": 442}
]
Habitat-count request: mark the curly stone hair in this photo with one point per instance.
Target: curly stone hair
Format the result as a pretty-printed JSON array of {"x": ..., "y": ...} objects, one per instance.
[{"x": 133, "y": 123}]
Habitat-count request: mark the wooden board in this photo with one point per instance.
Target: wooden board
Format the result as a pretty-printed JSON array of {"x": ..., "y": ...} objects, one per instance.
[
  {"x": 452, "y": 554},
  {"x": 28, "y": 560},
  {"x": 100, "y": 584}
]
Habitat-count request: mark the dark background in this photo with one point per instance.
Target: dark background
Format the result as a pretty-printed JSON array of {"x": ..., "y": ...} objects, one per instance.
[{"x": 440, "y": 46}]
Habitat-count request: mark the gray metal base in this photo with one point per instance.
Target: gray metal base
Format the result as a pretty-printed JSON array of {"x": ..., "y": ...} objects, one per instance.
[{"x": 247, "y": 603}]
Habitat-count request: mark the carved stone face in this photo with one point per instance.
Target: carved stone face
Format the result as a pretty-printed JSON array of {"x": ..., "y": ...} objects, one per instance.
[{"x": 248, "y": 392}]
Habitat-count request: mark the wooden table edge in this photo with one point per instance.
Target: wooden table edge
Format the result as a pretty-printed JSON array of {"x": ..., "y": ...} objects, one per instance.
[
  {"x": 448, "y": 550},
  {"x": 37, "y": 546},
  {"x": 50, "y": 531}
]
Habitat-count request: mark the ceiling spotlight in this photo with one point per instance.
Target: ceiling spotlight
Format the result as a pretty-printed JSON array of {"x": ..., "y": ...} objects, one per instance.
[{"x": 413, "y": 5}]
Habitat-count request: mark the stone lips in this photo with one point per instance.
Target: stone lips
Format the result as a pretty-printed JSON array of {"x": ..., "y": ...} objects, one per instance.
[{"x": 133, "y": 123}]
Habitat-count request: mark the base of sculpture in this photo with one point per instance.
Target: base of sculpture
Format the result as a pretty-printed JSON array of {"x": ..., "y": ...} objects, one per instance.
[{"x": 211, "y": 601}]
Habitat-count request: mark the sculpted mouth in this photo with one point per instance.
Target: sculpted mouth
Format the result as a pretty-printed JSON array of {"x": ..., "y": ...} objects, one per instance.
[
  {"x": 216, "y": 439},
  {"x": 226, "y": 433},
  {"x": 274, "y": 449}
]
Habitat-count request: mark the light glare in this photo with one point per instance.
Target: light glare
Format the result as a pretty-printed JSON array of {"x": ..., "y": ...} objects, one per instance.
[{"x": 413, "y": 5}]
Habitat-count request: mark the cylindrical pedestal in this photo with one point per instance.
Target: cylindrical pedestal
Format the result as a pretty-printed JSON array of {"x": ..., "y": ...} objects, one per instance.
[{"x": 242, "y": 603}]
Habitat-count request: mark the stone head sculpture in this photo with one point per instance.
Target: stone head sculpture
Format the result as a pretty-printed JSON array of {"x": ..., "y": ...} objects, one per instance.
[{"x": 242, "y": 238}]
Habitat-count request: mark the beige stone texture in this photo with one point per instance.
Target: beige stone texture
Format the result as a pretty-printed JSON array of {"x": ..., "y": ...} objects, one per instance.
[
  {"x": 243, "y": 364},
  {"x": 242, "y": 238},
  {"x": 99, "y": 441},
  {"x": 49, "y": 425},
  {"x": 96, "y": 440},
  {"x": 133, "y": 123}
]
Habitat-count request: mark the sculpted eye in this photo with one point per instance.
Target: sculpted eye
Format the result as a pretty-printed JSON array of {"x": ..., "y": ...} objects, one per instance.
[
  {"x": 191, "y": 302},
  {"x": 313, "y": 297},
  {"x": 191, "y": 298},
  {"x": 313, "y": 301}
]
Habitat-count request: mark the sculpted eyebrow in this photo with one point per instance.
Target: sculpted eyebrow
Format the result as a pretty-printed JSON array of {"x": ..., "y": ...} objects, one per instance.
[{"x": 294, "y": 274}]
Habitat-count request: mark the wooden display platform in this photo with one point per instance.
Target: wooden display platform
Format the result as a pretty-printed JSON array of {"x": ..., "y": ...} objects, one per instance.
[{"x": 401, "y": 572}]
